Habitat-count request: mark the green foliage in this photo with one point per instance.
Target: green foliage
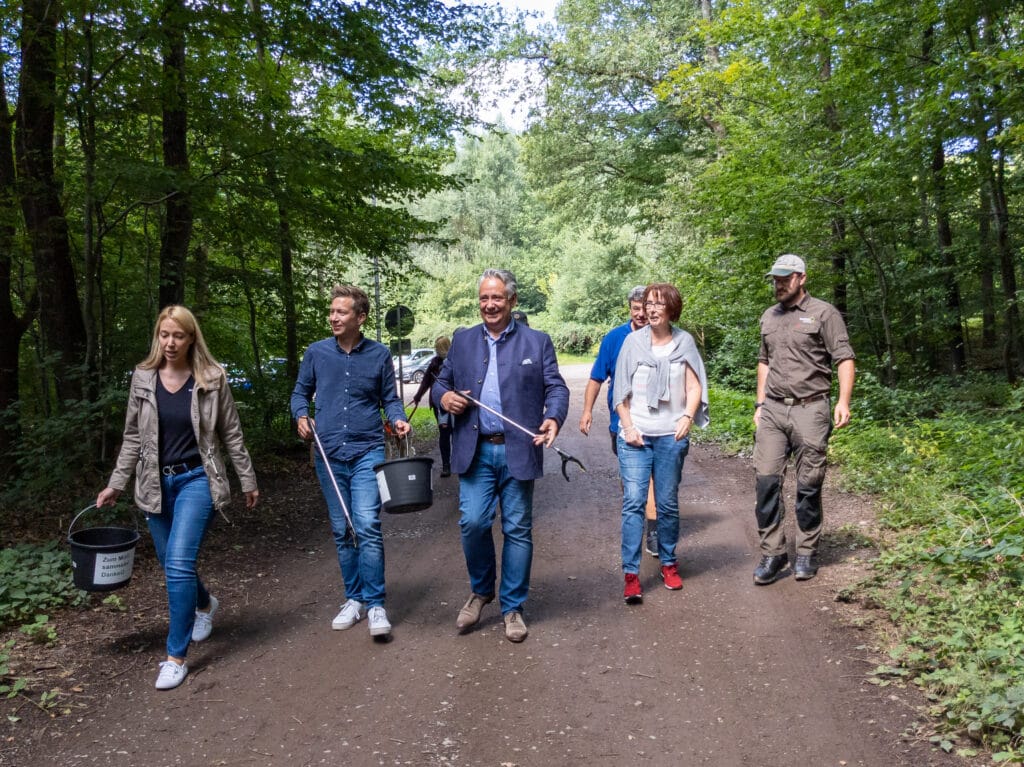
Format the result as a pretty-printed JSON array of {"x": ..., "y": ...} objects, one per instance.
[
  {"x": 732, "y": 361},
  {"x": 9, "y": 686},
  {"x": 732, "y": 420},
  {"x": 33, "y": 578},
  {"x": 576, "y": 338},
  {"x": 53, "y": 451},
  {"x": 40, "y": 630},
  {"x": 952, "y": 492}
]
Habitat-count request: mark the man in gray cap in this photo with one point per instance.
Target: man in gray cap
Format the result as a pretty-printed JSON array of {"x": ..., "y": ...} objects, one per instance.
[{"x": 801, "y": 338}]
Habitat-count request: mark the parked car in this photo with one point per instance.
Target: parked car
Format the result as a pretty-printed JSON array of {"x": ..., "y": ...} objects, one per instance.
[{"x": 414, "y": 365}]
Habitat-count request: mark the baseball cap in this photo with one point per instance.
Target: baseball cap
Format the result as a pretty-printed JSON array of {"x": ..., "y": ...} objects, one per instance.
[{"x": 786, "y": 264}]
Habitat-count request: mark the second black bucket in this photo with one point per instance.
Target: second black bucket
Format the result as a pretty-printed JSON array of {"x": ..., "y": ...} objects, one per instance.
[{"x": 405, "y": 484}]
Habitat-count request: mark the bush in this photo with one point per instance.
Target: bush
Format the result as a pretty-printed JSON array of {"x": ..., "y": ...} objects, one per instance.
[
  {"x": 576, "y": 338},
  {"x": 34, "y": 578}
]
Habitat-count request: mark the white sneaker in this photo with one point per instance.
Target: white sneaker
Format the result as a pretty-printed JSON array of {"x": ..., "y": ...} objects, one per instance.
[
  {"x": 378, "y": 620},
  {"x": 203, "y": 626},
  {"x": 171, "y": 675},
  {"x": 351, "y": 613}
]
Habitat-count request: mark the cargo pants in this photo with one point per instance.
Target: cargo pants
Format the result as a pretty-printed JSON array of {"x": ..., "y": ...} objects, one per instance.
[{"x": 801, "y": 431}]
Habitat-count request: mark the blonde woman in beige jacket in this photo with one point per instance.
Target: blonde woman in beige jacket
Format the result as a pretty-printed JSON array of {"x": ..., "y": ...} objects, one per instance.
[{"x": 180, "y": 413}]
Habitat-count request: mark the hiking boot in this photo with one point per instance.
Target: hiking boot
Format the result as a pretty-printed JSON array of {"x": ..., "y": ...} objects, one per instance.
[
  {"x": 768, "y": 569},
  {"x": 806, "y": 567},
  {"x": 171, "y": 675},
  {"x": 351, "y": 613},
  {"x": 670, "y": 574},
  {"x": 203, "y": 626},
  {"x": 377, "y": 619},
  {"x": 515, "y": 628},
  {"x": 469, "y": 615},
  {"x": 634, "y": 592},
  {"x": 651, "y": 541}
]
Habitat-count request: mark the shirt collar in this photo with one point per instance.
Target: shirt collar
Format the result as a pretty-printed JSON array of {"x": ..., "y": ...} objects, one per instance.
[
  {"x": 510, "y": 328},
  {"x": 356, "y": 347}
]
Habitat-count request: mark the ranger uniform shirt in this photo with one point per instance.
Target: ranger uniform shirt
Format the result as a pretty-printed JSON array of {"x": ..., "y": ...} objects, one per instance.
[{"x": 800, "y": 344}]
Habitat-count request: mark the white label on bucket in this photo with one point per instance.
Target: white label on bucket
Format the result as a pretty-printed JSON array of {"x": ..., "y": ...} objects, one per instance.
[
  {"x": 113, "y": 568},
  {"x": 411, "y": 477},
  {"x": 382, "y": 485}
]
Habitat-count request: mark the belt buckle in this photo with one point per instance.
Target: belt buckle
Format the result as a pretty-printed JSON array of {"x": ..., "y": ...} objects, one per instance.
[
  {"x": 167, "y": 471},
  {"x": 790, "y": 401}
]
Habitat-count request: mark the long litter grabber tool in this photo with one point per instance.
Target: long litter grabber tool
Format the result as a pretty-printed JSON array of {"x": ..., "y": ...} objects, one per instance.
[
  {"x": 566, "y": 458},
  {"x": 327, "y": 466}
]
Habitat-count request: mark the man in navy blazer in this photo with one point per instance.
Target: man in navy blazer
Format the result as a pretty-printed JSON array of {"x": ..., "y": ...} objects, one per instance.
[{"x": 512, "y": 369}]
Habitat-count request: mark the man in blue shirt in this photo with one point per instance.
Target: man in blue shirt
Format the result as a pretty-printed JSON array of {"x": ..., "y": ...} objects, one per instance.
[
  {"x": 512, "y": 369},
  {"x": 604, "y": 370},
  {"x": 353, "y": 379}
]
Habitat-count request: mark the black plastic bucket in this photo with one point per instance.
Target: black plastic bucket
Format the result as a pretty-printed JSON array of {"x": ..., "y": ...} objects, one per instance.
[
  {"x": 102, "y": 557},
  {"x": 405, "y": 484}
]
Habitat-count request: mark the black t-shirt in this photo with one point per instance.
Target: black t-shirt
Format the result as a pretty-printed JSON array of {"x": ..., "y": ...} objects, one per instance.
[{"x": 174, "y": 413}]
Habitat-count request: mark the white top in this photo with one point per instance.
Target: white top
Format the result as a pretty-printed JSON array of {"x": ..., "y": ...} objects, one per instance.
[{"x": 660, "y": 421}]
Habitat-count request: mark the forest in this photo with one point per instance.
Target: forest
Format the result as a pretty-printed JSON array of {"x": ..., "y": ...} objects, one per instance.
[{"x": 242, "y": 158}]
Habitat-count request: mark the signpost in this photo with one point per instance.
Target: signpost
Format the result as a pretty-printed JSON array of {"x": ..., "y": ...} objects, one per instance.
[{"x": 399, "y": 321}]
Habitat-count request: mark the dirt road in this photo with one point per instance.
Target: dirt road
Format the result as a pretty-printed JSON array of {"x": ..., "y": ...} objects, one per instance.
[{"x": 722, "y": 673}]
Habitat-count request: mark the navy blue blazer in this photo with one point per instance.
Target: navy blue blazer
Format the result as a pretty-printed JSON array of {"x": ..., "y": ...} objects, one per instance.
[{"x": 531, "y": 387}]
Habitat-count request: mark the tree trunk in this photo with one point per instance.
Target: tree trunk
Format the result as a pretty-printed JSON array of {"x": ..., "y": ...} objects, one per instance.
[
  {"x": 12, "y": 327},
  {"x": 62, "y": 327},
  {"x": 953, "y": 324},
  {"x": 177, "y": 224},
  {"x": 986, "y": 272},
  {"x": 1014, "y": 356}
]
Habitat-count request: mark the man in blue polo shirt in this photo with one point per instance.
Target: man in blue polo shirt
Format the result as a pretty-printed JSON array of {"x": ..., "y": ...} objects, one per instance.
[
  {"x": 353, "y": 379},
  {"x": 604, "y": 370}
]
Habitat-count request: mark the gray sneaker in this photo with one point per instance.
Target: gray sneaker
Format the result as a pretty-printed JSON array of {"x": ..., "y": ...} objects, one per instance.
[
  {"x": 651, "y": 541},
  {"x": 351, "y": 613},
  {"x": 171, "y": 675},
  {"x": 377, "y": 619},
  {"x": 203, "y": 626}
]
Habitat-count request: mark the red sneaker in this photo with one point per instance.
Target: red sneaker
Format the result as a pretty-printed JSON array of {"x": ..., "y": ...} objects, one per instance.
[
  {"x": 633, "y": 593},
  {"x": 670, "y": 574}
]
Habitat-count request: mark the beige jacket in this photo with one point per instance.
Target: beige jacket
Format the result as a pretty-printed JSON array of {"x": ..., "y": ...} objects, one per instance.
[{"x": 214, "y": 420}]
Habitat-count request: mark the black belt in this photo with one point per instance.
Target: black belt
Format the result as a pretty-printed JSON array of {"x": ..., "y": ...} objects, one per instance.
[
  {"x": 494, "y": 439},
  {"x": 180, "y": 468},
  {"x": 799, "y": 400}
]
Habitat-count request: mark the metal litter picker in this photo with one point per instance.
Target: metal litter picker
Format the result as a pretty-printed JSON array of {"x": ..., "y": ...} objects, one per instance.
[
  {"x": 566, "y": 458},
  {"x": 334, "y": 482}
]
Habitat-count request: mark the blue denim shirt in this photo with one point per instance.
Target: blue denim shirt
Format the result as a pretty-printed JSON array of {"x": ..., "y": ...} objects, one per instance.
[{"x": 351, "y": 389}]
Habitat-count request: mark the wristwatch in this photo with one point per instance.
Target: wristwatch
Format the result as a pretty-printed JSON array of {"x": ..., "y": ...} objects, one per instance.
[{"x": 758, "y": 404}]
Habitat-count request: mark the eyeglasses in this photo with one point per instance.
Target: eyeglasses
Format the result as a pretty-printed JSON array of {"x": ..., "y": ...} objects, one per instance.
[{"x": 654, "y": 304}]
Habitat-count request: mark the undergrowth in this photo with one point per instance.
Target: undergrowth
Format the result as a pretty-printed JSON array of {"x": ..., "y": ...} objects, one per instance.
[{"x": 34, "y": 578}]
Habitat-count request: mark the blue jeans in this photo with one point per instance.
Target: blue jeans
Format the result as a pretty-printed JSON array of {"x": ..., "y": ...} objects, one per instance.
[
  {"x": 487, "y": 482},
  {"x": 660, "y": 461},
  {"x": 178, "y": 531},
  {"x": 362, "y": 568}
]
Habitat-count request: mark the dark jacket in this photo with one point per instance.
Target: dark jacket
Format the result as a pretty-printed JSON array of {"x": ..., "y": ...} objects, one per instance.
[{"x": 532, "y": 390}]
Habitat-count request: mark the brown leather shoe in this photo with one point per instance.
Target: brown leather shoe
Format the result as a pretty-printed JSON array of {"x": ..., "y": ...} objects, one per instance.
[
  {"x": 515, "y": 628},
  {"x": 469, "y": 615}
]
